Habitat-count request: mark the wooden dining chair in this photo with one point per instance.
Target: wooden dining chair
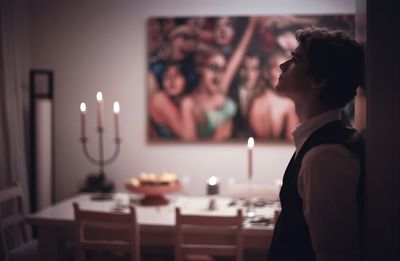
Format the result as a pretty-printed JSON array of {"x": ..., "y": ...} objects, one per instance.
[
  {"x": 14, "y": 235},
  {"x": 106, "y": 233},
  {"x": 201, "y": 237}
]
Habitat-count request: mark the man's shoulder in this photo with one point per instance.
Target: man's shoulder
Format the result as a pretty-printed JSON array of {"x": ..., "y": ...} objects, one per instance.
[
  {"x": 327, "y": 151},
  {"x": 328, "y": 158}
]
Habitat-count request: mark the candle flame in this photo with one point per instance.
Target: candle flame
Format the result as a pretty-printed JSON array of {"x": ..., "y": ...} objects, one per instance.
[
  {"x": 250, "y": 143},
  {"x": 83, "y": 107},
  {"x": 116, "y": 107},
  {"x": 99, "y": 96},
  {"x": 212, "y": 180}
]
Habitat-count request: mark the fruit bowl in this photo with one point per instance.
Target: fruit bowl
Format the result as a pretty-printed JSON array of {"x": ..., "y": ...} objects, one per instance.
[{"x": 154, "y": 191}]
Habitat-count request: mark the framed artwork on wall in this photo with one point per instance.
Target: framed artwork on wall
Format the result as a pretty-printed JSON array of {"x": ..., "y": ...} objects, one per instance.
[{"x": 213, "y": 78}]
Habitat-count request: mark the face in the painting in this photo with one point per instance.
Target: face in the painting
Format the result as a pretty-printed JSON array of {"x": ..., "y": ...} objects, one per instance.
[
  {"x": 250, "y": 71},
  {"x": 173, "y": 81},
  {"x": 212, "y": 72},
  {"x": 182, "y": 43},
  {"x": 224, "y": 31},
  {"x": 294, "y": 81}
]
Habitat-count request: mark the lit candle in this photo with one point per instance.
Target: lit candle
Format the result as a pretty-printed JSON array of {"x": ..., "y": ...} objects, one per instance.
[
  {"x": 83, "y": 120},
  {"x": 212, "y": 186},
  {"x": 100, "y": 110},
  {"x": 250, "y": 145},
  {"x": 116, "y": 110}
]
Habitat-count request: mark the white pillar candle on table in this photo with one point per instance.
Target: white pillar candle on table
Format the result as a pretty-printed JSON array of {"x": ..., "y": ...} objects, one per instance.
[
  {"x": 116, "y": 110},
  {"x": 100, "y": 110},
  {"x": 250, "y": 145}
]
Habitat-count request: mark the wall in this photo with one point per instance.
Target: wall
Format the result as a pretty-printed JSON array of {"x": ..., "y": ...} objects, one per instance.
[{"x": 100, "y": 46}]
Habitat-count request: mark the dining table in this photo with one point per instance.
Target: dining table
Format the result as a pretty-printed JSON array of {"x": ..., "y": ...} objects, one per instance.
[{"x": 54, "y": 224}]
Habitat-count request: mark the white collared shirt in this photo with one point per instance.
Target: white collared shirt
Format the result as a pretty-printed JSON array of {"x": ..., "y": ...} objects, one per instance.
[{"x": 327, "y": 183}]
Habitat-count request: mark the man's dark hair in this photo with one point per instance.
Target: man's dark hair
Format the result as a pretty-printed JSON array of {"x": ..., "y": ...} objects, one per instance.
[{"x": 334, "y": 57}]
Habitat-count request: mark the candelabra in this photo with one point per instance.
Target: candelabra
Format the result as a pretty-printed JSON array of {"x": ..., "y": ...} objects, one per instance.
[{"x": 97, "y": 182}]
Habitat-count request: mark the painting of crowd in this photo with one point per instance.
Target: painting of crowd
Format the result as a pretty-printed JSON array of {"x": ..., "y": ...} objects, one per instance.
[{"x": 213, "y": 78}]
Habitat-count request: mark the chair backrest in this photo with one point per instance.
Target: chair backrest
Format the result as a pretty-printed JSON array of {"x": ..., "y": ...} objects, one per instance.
[
  {"x": 208, "y": 235},
  {"x": 12, "y": 203},
  {"x": 111, "y": 231}
]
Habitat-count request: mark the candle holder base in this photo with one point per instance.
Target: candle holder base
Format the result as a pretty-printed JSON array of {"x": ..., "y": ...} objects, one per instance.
[
  {"x": 97, "y": 183},
  {"x": 250, "y": 208},
  {"x": 212, "y": 205}
]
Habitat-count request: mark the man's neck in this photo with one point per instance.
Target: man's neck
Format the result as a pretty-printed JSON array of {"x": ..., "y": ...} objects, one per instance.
[{"x": 307, "y": 110}]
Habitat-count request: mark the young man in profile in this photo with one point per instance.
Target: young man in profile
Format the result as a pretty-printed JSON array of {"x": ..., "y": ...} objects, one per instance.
[{"x": 322, "y": 186}]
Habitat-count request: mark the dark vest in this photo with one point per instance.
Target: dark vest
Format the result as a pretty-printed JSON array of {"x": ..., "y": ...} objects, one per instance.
[{"x": 291, "y": 238}]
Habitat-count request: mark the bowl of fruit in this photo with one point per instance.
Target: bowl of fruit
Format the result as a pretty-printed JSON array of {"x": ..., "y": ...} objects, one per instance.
[{"x": 153, "y": 187}]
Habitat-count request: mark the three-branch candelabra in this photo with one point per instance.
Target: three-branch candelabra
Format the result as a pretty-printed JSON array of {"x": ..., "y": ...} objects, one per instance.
[{"x": 97, "y": 182}]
